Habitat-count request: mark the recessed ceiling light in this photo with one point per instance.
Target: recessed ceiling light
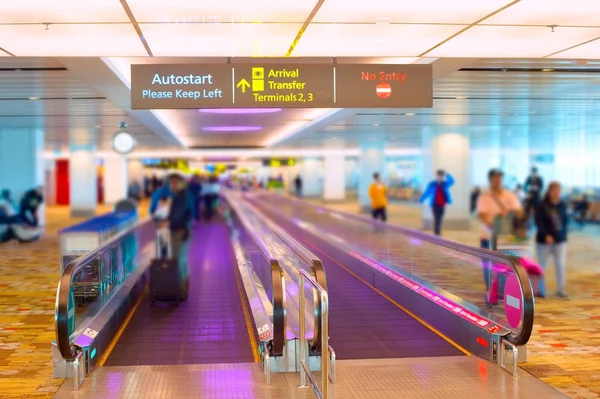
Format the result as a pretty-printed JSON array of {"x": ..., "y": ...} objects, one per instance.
[
  {"x": 231, "y": 128},
  {"x": 98, "y": 126},
  {"x": 547, "y": 69},
  {"x": 34, "y": 98},
  {"x": 240, "y": 110},
  {"x": 461, "y": 98},
  {"x": 409, "y": 113}
]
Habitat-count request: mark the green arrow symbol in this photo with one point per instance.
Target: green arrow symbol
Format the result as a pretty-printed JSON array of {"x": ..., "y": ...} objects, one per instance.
[{"x": 243, "y": 84}]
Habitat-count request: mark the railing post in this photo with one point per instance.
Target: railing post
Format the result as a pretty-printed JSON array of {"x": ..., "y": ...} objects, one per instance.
[
  {"x": 302, "y": 335},
  {"x": 324, "y": 344}
]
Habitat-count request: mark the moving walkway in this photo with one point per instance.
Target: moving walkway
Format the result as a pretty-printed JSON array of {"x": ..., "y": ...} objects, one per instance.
[
  {"x": 243, "y": 305},
  {"x": 396, "y": 292}
]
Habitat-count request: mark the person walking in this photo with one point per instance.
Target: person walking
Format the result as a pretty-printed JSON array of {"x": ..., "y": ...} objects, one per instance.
[
  {"x": 298, "y": 186},
  {"x": 195, "y": 187},
  {"x": 493, "y": 203},
  {"x": 551, "y": 238},
  {"x": 438, "y": 194},
  {"x": 210, "y": 193},
  {"x": 378, "y": 196},
  {"x": 534, "y": 186}
]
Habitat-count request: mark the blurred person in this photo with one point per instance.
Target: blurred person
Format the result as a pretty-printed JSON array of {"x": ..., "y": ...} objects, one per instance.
[
  {"x": 551, "y": 238},
  {"x": 134, "y": 192},
  {"x": 181, "y": 214},
  {"x": 493, "y": 203},
  {"x": 378, "y": 196},
  {"x": 438, "y": 194},
  {"x": 156, "y": 182},
  {"x": 475, "y": 192},
  {"x": 195, "y": 188},
  {"x": 580, "y": 210},
  {"x": 211, "y": 196},
  {"x": 298, "y": 186},
  {"x": 9, "y": 207},
  {"x": 29, "y": 205},
  {"x": 534, "y": 186}
]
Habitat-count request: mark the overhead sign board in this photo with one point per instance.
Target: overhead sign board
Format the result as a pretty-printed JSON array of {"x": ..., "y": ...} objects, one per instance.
[
  {"x": 384, "y": 86},
  {"x": 284, "y": 85}
]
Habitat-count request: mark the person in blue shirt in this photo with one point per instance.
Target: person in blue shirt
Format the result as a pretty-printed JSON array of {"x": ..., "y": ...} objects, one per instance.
[
  {"x": 167, "y": 190},
  {"x": 438, "y": 194}
]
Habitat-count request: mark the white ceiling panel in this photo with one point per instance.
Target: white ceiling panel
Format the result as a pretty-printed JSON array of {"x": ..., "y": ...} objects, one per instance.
[
  {"x": 185, "y": 11},
  {"x": 348, "y": 40},
  {"x": 230, "y": 40},
  {"x": 79, "y": 40},
  {"x": 586, "y": 51},
  {"x": 54, "y": 11},
  {"x": 513, "y": 41},
  {"x": 550, "y": 12},
  {"x": 394, "y": 11}
]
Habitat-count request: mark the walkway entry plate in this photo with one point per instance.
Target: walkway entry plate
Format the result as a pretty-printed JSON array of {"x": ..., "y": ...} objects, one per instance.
[{"x": 282, "y": 85}]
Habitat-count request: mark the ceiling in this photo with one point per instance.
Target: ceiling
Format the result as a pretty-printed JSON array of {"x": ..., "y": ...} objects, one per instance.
[
  {"x": 488, "y": 104},
  {"x": 532, "y": 99},
  {"x": 65, "y": 66},
  {"x": 432, "y": 28},
  {"x": 39, "y": 93}
]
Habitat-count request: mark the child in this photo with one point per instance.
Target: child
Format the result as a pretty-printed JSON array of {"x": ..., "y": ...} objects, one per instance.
[{"x": 161, "y": 215}]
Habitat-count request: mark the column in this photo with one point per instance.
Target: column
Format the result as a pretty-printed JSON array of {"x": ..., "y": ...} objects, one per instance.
[
  {"x": 371, "y": 160},
  {"x": 83, "y": 174},
  {"x": 22, "y": 162},
  {"x": 115, "y": 179},
  {"x": 334, "y": 171},
  {"x": 485, "y": 156},
  {"x": 515, "y": 158},
  {"x": 311, "y": 177},
  {"x": 449, "y": 151}
]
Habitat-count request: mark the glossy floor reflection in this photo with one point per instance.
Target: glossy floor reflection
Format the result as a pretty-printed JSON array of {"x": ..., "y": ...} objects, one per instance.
[{"x": 442, "y": 378}]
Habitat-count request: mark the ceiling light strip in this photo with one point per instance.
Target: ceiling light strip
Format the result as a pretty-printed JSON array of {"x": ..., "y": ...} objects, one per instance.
[
  {"x": 572, "y": 47},
  {"x": 136, "y": 26},
  {"x": 469, "y": 27},
  {"x": 312, "y": 14},
  {"x": 7, "y": 52}
]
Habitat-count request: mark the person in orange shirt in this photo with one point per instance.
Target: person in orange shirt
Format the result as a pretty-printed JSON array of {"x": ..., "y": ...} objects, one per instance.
[{"x": 378, "y": 195}]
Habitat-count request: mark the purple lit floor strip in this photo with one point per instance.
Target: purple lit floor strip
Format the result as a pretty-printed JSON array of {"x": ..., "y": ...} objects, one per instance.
[
  {"x": 362, "y": 323},
  {"x": 208, "y": 328}
]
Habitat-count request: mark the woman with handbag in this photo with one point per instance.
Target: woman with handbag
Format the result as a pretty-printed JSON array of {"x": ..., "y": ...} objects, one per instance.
[{"x": 551, "y": 221}]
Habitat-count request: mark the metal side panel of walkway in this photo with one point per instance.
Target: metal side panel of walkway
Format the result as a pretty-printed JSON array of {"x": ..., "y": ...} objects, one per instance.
[{"x": 363, "y": 324}]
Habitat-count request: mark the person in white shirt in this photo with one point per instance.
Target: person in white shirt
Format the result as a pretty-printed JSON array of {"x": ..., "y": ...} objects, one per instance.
[
  {"x": 161, "y": 216},
  {"x": 494, "y": 202}
]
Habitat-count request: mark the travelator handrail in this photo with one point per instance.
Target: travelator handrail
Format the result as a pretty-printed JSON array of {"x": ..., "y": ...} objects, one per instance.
[
  {"x": 278, "y": 282},
  {"x": 323, "y": 392},
  {"x": 317, "y": 270},
  {"x": 63, "y": 292},
  {"x": 518, "y": 337}
]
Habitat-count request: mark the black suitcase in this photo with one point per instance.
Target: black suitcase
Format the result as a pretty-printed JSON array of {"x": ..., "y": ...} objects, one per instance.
[{"x": 166, "y": 282}]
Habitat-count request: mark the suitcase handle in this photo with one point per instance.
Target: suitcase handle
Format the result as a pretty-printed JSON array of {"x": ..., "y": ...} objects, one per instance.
[{"x": 163, "y": 239}]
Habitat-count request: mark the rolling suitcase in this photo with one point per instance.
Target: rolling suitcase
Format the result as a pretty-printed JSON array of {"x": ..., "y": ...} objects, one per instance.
[{"x": 166, "y": 280}]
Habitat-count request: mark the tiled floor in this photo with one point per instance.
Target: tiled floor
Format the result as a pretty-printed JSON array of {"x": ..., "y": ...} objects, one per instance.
[
  {"x": 564, "y": 350},
  {"x": 442, "y": 378},
  {"x": 28, "y": 279}
]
